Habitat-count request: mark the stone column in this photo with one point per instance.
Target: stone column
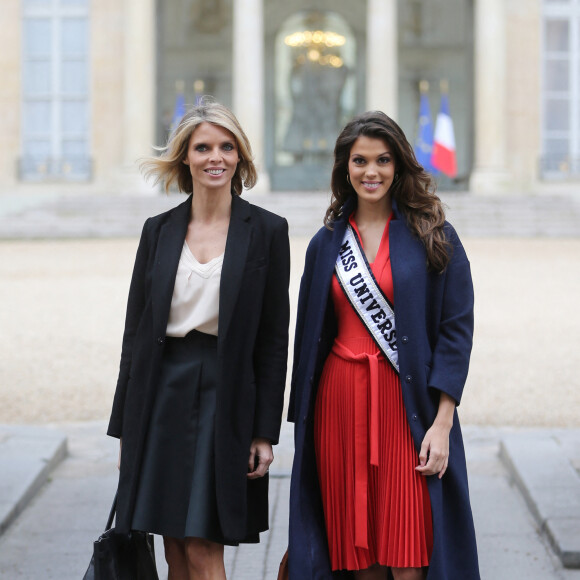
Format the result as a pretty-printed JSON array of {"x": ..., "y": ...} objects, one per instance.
[
  {"x": 139, "y": 95},
  {"x": 382, "y": 68},
  {"x": 248, "y": 79},
  {"x": 10, "y": 93},
  {"x": 490, "y": 174}
]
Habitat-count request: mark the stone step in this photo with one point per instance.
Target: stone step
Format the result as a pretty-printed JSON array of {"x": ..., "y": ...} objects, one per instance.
[
  {"x": 110, "y": 216},
  {"x": 541, "y": 467},
  {"x": 28, "y": 454}
]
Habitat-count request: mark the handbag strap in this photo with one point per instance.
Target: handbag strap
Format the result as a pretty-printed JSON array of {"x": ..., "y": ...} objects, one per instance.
[{"x": 112, "y": 513}]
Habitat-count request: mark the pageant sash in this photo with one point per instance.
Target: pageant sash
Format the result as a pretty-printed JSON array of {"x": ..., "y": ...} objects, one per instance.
[{"x": 366, "y": 297}]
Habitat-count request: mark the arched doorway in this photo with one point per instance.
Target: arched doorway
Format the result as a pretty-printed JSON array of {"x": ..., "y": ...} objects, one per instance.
[{"x": 313, "y": 89}]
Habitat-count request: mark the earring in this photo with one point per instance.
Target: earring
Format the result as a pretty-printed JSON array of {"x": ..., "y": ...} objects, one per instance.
[{"x": 396, "y": 177}]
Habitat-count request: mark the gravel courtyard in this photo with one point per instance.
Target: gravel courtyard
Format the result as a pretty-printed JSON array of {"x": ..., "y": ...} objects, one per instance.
[{"x": 63, "y": 308}]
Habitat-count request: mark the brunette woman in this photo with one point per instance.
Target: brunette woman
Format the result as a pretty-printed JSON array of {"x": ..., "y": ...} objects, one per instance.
[
  {"x": 383, "y": 340},
  {"x": 200, "y": 391}
]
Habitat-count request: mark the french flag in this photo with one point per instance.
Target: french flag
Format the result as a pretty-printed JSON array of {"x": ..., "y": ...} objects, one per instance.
[{"x": 443, "y": 157}]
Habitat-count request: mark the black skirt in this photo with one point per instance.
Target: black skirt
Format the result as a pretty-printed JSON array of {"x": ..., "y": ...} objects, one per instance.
[{"x": 176, "y": 495}]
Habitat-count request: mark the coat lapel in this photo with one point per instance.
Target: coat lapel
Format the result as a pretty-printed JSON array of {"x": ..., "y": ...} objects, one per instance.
[
  {"x": 169, "y": 248},
  {"x": 325, "y": 263},
  {"x": 331, "y": 254},
  {"x": 237, "y": 244}
]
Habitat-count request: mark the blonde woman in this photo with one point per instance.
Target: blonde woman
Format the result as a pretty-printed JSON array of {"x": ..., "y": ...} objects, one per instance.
[{"x": 199, "y": 396}]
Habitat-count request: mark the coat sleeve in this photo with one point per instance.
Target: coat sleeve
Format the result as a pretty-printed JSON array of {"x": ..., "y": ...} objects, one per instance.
[
  {"x": 450, "y": 361},
  {"x": 305, "y": 284},
  {"x": 271, "y": 348},
  {"x": 135, "y": 307}
]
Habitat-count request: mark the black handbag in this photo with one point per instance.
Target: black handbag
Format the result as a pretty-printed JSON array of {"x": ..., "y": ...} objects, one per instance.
[{"x": 122, "y": 556}]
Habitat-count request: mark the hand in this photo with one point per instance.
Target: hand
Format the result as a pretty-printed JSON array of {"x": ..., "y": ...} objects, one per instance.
[
  {"x": 260, "y": 449},
  {"x": 434, "y": 454}
]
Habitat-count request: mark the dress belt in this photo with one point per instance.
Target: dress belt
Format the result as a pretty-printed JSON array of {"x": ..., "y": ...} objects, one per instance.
[{"x": 367, "y": 379}]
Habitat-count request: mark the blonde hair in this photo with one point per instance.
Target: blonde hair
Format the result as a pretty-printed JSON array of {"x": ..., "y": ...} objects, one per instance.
[{"x": 169, "y": 167}]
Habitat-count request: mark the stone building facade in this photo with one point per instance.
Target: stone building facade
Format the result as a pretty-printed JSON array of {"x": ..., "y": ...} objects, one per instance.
[{"x": 89, "y": 86}]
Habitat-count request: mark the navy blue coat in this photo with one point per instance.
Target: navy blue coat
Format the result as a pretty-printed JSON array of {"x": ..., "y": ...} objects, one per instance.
[{"x": 434, "y": 320}]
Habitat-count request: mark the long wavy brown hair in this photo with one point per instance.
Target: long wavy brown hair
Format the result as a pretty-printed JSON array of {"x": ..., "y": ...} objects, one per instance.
[{"x": 413, "y": 189}]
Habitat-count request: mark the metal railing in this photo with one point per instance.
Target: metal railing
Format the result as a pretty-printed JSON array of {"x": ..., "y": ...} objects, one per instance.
[{"x": 558, "y": 167}]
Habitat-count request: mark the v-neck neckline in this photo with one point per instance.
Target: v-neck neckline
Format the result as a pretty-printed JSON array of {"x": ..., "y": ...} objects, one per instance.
[{"x": 383, "y": 244}]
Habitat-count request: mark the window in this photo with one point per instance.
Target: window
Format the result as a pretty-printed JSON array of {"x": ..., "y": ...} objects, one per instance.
[
  {"x": 561, "y": 89},
  {"x": 55, "y": 90}
]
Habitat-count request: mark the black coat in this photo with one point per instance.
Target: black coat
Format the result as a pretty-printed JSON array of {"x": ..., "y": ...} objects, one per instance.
[
  {"x": 252, "y": 354},
  {"x": 434, "y": 321}
]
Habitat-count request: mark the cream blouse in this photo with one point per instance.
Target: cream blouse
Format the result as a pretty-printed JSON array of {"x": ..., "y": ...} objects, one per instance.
[{"x": 195, "y": 301}]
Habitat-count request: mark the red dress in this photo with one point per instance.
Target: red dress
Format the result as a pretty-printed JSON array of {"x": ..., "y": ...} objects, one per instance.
[{"x": 376, "y": 506}]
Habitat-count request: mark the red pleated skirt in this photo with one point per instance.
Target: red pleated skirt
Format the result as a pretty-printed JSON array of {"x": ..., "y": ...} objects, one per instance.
[{"x": 376, "y": 506}]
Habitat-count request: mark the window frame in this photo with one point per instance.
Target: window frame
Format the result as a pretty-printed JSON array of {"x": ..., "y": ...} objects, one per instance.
[
  {"x": 569, "y": 165},
  {"x": 56, "y": 166}
]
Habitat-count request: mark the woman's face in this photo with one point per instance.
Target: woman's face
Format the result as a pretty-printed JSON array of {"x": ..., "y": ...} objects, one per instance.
[
  {"x": 371, "y": 167},
  {"x": 212, "y": 156}
]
